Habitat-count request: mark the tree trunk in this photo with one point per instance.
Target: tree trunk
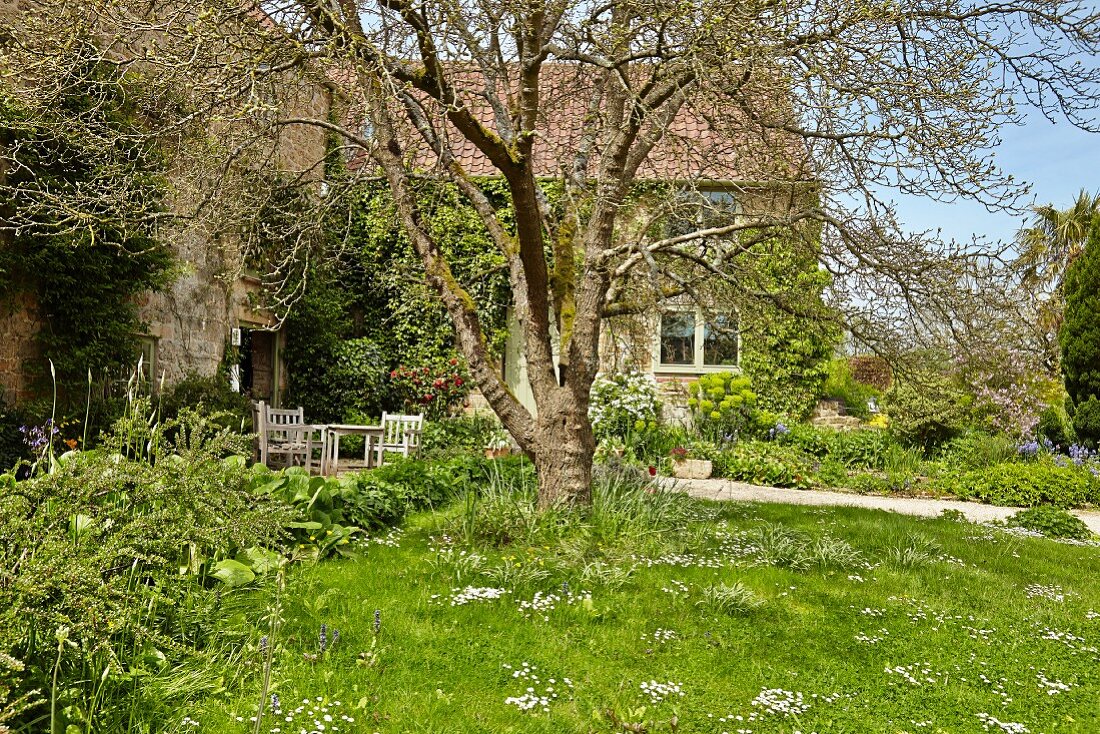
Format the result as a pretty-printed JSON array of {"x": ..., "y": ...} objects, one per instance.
[{"x": 562, "y": 450}]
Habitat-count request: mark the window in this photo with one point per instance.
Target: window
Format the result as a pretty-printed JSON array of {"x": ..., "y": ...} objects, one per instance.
[
  {"x": 690, "y": 341},
  {"x": 697, "y": 210},
  {"x": 678, "y": 338},
  {"x": 148, "y": 346}
]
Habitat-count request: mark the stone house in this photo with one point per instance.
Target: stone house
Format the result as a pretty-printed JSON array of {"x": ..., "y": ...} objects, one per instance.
[{"x": 211, "y": 306}]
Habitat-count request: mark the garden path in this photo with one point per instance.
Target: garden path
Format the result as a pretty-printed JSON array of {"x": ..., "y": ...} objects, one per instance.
[{"x": 725, "y": 489}]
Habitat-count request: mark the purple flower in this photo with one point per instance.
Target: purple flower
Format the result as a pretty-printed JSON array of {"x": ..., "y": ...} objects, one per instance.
[{"x": 1028, "y": 449}]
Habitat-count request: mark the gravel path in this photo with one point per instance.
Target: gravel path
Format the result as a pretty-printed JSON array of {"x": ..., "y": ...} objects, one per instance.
[{"x": 724, "y": 489}]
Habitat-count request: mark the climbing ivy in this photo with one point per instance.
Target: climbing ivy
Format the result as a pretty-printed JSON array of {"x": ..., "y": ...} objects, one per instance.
[
  {"x": 83, "y": 270},
  {"x": 788, "y": 332},
  {"x": 368, "y": 310}
]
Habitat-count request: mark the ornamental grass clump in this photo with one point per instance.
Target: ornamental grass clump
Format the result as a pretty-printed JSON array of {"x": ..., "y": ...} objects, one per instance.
[{"x": 731, "y": 599}]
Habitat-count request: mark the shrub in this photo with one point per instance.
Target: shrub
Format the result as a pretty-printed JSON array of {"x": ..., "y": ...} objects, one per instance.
[
  {"x": 763, "y": 463},
  {"x": 434, "y": 390},
  {"x": 855, "y": 449},
  {"x": 101, "y": 556},
  {"x": 928, "y": 410},
  {"x": 722, "y": 404},
  {"x": 842, "y": 385},
  {"x": 1086, "y": 422},
  {"x": 1051, "y": 522},
  {"x": 210, "y": 396},
  {"x": 459, "y": 434},
  {"x": 1054, "y": 426},
  {"x": 356, "y": 379},
  {"x": 1079, "y": 338},
  {"x": 1028, "y": 484},
  {"x": 623, "y": 404},
  {"x": 977, "y": 449}
]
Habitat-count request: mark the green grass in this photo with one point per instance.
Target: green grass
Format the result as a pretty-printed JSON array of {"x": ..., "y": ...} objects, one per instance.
[{"x": 952, "y": 598}]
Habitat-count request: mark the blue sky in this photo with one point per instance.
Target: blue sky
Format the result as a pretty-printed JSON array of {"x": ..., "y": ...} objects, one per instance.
[{"x": 1058, "y": 160}]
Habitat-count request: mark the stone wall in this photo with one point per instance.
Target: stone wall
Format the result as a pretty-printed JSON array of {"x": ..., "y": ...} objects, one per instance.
[{"x": 191, "y": 319}]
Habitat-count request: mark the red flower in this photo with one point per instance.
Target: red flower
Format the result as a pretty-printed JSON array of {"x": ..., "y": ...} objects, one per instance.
[
  {"x": 393, "y": 374},
  {"x": 652, "y": 471},
  {"x": 428, "y": 398},
  {"x": 458, "y": 382},
  {"x": 454, "y": 362}
]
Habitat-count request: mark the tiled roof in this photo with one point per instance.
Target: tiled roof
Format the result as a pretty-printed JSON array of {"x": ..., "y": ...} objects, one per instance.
[{"x": 700, "y": 144}]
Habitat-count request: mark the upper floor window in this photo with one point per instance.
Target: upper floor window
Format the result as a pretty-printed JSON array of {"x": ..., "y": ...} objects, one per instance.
[
  {"x": 689, "y": 340},
  {"x": 697, "y": 210}
]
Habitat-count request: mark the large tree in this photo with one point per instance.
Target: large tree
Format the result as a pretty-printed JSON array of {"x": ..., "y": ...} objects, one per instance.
[{"x": 809, "y": 109}]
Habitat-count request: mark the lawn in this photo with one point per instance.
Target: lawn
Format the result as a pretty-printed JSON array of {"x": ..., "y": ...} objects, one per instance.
[{"x": 831, "y": 620}]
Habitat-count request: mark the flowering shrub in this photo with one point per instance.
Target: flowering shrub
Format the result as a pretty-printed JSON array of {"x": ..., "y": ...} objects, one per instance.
[
  {"x": 622, "y": 404},
  {"x": 722, "y": 403},
  {"x": 435, "y": 391}
]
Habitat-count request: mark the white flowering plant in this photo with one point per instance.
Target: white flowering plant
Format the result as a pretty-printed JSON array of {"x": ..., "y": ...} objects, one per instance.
[{"x": 623, "y": 404}]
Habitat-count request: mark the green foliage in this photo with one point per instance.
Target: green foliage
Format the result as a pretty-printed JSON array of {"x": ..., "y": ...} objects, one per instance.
[
  {"x": 436, "y": 390},
  {"x": 1051, "y": 522},
  {"x": 372, "y": 311},
  {"x": 978, "y": 449},
  {"x": 1054, "y": 426},
  {"x": 927, "y": 410},
  {"x": 211, "y": 396},
  {"x": 330, "y": 512},
  {"x": 841, "y": 385},
  {"x": 785, "y": 547},
  {"x": 767, "y": 464},
  {"x": 334, "y": 370},
  {"x": 622, "y": 404},
  {"x": 84, "y": 279},
  {"x": 864, "y": 449},
  {"x": 732, "y": 599},
  {"x": 1086, "y": 421},
  {"x": 722, "y": 404},
  {"x": 107, "y": 563},
  {"x": 459, "y": 434},
  {"x": 789, "y": 335},
  {"x": 1028, "y": 484},
  {"x": 1079, "y": 338}
]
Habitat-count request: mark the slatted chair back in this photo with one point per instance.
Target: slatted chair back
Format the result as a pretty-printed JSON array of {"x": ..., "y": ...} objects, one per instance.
[
  {"x": 400, "y": 434},
  {"x": 280, "y": 420}
]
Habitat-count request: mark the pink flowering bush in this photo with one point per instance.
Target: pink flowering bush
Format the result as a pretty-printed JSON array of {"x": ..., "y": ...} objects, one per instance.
[{"x": 436, "y": 391}]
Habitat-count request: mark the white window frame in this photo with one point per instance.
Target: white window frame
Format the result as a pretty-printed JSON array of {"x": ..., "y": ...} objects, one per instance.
[{"x": 697, "y": 367}]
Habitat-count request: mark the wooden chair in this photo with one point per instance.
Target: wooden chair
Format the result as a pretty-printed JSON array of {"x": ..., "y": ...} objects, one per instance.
[
  {"x": 400, "y": 434},
  {"x": 283, "y": 432}
]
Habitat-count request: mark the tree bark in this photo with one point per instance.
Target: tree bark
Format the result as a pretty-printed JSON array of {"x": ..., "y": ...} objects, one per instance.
[{"x": 562, "y": 449}]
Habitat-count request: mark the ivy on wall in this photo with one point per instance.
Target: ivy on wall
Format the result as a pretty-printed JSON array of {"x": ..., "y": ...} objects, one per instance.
[
  {"x": 788, "y": 332},
  {"x": 368, "y": 310},
  {"x": 84, "y": 269}
]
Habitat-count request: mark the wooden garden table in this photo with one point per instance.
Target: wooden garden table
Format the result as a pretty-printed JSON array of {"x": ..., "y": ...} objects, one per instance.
[{"x": 330, "y": 445}]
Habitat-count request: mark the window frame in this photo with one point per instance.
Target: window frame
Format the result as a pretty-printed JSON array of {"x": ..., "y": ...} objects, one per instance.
[{"x": 698, "y": 366}]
